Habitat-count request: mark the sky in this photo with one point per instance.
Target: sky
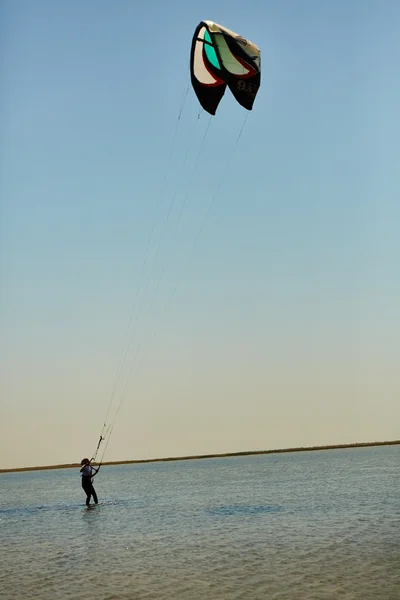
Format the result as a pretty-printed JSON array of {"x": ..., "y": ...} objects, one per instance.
[{"x": 254, "y": 282}]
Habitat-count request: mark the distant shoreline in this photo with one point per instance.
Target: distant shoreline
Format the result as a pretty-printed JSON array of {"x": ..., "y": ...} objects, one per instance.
[{"x": 203, "y": 456}]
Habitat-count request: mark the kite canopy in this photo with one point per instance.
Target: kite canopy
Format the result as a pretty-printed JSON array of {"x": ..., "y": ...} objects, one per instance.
[{"x": 221, "y": 58}]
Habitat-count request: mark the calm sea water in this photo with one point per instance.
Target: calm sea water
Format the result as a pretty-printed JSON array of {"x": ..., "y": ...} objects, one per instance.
[{"x": 305, "y": 526}]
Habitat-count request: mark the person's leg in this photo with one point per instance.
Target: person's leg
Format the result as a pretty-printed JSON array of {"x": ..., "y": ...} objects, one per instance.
[
  {"x": 93, "y": 492},
  {"x": 88, "y": 492}
]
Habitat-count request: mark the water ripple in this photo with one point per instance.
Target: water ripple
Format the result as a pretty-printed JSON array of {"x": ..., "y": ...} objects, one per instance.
[{"x": 307, "y": 526}]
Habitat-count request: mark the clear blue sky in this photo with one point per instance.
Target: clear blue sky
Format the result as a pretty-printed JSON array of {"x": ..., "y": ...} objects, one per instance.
[{"x": 284, "y": 328}]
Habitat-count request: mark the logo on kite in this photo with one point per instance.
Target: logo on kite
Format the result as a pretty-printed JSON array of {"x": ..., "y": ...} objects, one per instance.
[{"x": 219, "y": 59}]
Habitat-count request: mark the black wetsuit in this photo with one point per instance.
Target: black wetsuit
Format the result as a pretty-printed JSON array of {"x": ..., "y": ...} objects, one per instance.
[{"x": 89, "y": 489}]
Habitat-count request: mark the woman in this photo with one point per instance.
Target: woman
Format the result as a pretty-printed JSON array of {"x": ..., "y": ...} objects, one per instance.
[{"x": 87, "y": 473}]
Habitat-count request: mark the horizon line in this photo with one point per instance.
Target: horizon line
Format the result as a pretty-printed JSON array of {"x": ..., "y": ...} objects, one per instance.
[{"x": 204, "y": 456}]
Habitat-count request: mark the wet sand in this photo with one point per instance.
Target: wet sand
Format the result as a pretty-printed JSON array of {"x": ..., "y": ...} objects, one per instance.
[{"x": 202, "y": 456}]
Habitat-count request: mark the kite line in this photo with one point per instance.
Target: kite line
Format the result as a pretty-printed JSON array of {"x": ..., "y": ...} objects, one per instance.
[{"x": 220, "y": 59}]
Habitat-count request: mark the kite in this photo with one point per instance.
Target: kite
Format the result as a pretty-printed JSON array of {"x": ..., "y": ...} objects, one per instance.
[{"x": 219, "y": 59}]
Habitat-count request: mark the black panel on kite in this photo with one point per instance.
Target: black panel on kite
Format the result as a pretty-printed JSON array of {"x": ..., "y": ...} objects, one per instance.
[{"x": 221, "y": 58}]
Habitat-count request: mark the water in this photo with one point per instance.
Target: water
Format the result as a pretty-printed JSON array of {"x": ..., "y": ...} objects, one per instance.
[{"x": 305, "y": 526}]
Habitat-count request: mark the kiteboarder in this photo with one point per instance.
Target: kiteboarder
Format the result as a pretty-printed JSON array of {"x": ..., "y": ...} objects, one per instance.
[{"x": 88, "y": 472}]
